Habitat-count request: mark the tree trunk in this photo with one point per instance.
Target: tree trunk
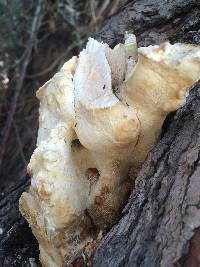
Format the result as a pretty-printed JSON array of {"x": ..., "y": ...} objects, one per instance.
[
  {"x": 17, "y": 244},
  {"x": 163, "y": 213},
  {"x": 160, "y": 225}
]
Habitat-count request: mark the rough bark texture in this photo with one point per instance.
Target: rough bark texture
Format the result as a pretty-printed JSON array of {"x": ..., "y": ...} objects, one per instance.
[
  {"x": 18, "y": 246},
  {"x": 160, "y": 224},
  {"x": 164, "y": 210},
  {"x": 162, "y": 214}
]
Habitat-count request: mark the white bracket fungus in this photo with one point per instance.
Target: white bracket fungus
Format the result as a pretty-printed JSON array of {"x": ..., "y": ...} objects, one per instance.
[{"x": 99, "y": 115}]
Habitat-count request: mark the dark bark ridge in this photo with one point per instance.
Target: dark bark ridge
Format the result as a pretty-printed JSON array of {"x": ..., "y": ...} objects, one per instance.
[
  {"x": 164, "y": 210},
  {"x": 154, "y": 21},
  {"x": 163, "y": 213},
  {"x": 18, "y": 246}
]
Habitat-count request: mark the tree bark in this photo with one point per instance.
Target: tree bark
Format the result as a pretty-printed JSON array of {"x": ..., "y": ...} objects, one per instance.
[
  {"x": 163, "y": 212},
  {"x": 18, "y": 246},
  {"x": 160, "y": 225}
]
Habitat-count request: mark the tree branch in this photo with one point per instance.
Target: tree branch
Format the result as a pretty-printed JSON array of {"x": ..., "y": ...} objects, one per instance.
[{"x": 22, "y": 74}]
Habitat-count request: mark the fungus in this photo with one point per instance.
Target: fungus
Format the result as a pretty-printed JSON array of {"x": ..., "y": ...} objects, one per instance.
[{"x": 99, "y": 115}]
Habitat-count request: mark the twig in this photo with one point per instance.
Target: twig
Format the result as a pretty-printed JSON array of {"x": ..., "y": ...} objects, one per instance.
[
  {"x": 19, "y": 144},
  {"x": 93, "y": 13},
  {"x": 115, "y": 6},
  {"x": 101, "y": 10},
  {"x": 30, "y": 44},
  {"x": 54, "y": 64}
]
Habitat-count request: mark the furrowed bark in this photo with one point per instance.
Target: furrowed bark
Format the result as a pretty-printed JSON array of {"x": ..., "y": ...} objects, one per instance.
[
  {"x": 160, "y": 224},
  {"x": 163, "y": 211},
  {"x": 17, "y": 244}
]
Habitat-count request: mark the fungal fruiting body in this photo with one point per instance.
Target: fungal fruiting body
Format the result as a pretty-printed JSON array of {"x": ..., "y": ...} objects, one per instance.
[{"x": 100, "y": 115}]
